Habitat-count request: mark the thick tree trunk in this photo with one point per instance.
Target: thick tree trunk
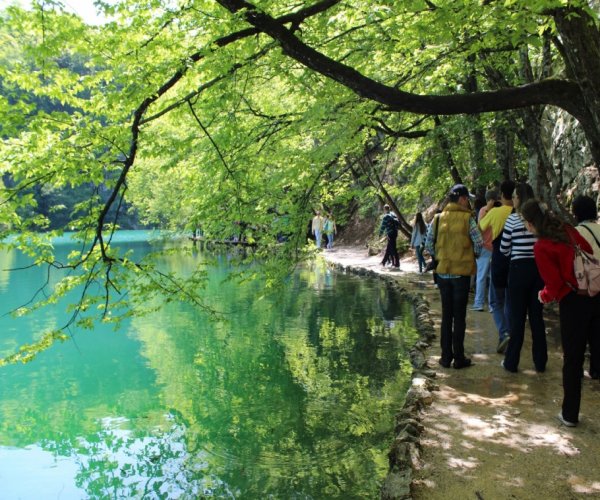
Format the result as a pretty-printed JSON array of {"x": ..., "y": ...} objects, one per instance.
[
  {"x": 447, "y": 151},
  {"x": 580, "y": 47},
  {"x": 505, "y": 151},
  {"x": 478, "y": 156},
  {"x": 477, "y": 137},
  {"x": 541, "y": 174}
]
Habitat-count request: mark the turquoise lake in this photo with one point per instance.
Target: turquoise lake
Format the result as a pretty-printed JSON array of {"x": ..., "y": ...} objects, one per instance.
[{"x": 292, "y": 396}]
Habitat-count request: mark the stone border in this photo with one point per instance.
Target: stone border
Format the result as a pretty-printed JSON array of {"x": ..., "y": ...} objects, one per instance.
[{"x": 404, "y": 453}]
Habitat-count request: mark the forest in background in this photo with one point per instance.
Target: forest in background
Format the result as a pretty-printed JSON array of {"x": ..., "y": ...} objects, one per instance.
[{"x": 217, "y": 115}]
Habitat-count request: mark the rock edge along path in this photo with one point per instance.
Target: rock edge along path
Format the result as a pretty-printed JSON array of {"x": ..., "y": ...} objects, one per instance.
[{"x": 481, "y": 432}]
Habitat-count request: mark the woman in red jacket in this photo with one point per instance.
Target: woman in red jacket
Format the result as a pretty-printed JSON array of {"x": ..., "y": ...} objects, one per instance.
[{"x": 579, "y": 313}]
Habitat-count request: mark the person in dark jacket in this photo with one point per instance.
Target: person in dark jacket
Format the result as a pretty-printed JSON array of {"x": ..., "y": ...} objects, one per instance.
[{"x": 389, "y": 226}]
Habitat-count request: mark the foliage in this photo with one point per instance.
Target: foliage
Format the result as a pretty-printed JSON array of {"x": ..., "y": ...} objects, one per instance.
[{"x": 184, "y": 111}]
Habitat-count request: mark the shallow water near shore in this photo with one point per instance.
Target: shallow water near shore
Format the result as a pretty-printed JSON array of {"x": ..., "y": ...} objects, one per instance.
[{"x": 293, "y": 396}]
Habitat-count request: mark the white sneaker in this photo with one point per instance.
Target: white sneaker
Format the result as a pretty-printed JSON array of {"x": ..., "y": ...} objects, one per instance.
[{"x": 566, "y": 423}]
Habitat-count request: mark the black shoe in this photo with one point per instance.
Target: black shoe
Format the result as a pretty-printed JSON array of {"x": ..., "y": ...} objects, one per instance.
[
  {"x": 465, "y": 363},
  {"x": 444, "y": 363},
  {"x": 502, "y": 345},
  {"x": 507, "y": 369}
]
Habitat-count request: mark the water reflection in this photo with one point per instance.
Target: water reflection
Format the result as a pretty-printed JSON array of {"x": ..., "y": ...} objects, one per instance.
[{"x": 292, "y": 396}]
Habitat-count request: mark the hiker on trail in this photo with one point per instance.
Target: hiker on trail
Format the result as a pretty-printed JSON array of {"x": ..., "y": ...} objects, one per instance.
[
  {"x": 457, "y": 243},
  {"x": 329, "y": 229},
  {"x": 524, "y": 284},
  {"x": 389, "y": 226},
  {"x": 579, "y": 313},
  {"x": 586, "y": 214},
  {"x": 317, "y": 228},
  {"x": 495, "y": 219},
  {"x": 485, "y": 257},
  {"x": 417, "y": 240}
]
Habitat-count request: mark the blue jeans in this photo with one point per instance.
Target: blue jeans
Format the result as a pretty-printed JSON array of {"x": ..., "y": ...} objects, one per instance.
[
  {"x": 420, "y": 258},
  {"x": 500, "y": 310},
  {"x": 483, "y": 276},
  {"x": 318, "y": 238},
  {"x": 454, "y": 293},
  {"x": 329, "y": 240}
]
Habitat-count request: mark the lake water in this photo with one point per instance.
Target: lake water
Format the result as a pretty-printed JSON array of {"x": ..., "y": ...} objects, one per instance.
[{"x": 293, "y": 396}]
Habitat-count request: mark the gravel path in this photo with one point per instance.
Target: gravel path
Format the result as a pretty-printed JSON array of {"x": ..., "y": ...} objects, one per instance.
[{"x": 490, "y": 434}]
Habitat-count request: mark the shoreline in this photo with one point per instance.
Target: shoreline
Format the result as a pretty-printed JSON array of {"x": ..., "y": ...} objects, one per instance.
[{"x": 481, "y": 432}]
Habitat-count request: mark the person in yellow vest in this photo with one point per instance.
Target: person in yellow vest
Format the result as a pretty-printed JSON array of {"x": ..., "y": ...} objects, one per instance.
[{"x": 454, "y": 240}]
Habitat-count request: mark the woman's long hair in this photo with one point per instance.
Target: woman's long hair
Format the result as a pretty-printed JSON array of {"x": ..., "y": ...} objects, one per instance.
[
  {"x": 420, "y": 223},
  {"x": 525, "y": 192},
  {"x": 546, "y": 224}
]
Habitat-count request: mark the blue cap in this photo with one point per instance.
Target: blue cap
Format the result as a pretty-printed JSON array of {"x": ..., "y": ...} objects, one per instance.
[{"x": 460, "y": 190}]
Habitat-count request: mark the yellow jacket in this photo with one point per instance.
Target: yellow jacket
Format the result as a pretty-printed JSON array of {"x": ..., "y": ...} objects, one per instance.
[{"x": 454, "y": 248}]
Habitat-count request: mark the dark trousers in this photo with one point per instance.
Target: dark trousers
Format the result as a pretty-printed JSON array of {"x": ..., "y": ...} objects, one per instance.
[
  {"x": 454, "y": 293},
  {"x": 524, "y": 283},
  {"x": 579, "y": 322},
  {"x": 391, "y": 252},
  {"x": 594, "y": 341},
  {"x": 420, "y": 258}
]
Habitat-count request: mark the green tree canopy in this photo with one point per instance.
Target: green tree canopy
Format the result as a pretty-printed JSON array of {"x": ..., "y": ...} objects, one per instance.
[{"x": 233, "y": 116}]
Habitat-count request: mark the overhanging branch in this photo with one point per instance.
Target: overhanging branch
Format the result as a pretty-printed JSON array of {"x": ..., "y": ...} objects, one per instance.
[{"x": 561, "y": 93}]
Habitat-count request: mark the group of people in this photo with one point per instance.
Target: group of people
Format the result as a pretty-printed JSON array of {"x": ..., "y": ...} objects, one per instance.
[
  {"x": 323, "y": 225},
  {"x": 526, "y": 253}
]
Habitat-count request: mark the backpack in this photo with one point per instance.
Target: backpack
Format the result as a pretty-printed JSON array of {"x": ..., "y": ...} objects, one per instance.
[
  {"x": 587, "y": 272},
  {"x": 593, "y": 236}
]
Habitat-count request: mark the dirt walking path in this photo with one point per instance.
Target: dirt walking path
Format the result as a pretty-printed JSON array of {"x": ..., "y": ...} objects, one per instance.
[{"x": 490, "y": 434}]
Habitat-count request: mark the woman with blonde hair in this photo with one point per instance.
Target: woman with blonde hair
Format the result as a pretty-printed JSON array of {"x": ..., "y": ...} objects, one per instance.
[{"x": 579, "y": 313}]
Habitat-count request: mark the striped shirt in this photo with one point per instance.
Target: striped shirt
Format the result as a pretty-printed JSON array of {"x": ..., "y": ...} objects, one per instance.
[{"x": 517, "y": 242}]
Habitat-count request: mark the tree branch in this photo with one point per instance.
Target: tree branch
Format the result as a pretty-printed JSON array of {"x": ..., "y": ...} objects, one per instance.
[{"x": 561, "y": 93}]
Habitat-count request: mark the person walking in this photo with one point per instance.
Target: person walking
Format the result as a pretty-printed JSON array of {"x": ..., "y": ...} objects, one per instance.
[
  {"x": 524, "y": 283},
  {"x": 579, "y": 313},
  {"x": 317, "y": 228},
  {"x": 389, "y": 226},
  {"x": 417, "y": 240},
  {"x": 457, "y": 242},
  {"x": 585, "y": 212},
  {"x": 495, "y": 219},
  {"x": 485, "y": 257},
  {"x": 329, "y": 229}
]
